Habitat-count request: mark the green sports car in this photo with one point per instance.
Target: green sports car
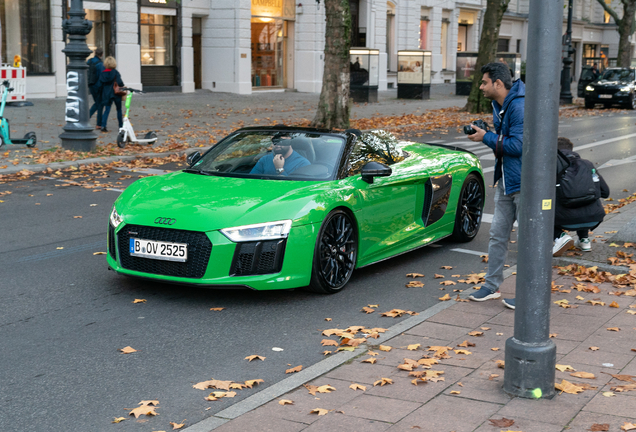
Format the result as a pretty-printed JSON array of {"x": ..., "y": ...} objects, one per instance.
[{"x": 285, "y": 207}]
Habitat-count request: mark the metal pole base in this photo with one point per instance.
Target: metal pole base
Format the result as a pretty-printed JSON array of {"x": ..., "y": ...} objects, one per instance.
[
  {"x": 79, "y": 141},
  {"x": 526, "y": 366}
]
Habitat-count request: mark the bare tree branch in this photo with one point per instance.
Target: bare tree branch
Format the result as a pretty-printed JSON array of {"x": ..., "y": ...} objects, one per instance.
[{"x": 610, "y": 11}]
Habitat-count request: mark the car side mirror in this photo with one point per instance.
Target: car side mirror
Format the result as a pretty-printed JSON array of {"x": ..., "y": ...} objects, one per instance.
[
  {"x": 375, "y": 169},
  {"x": 193, "y": 158}
]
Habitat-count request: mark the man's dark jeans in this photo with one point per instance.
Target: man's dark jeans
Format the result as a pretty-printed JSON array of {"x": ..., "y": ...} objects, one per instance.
[
  {"x": 107, "y": 106},
  {"x": 97, "y": 105}
]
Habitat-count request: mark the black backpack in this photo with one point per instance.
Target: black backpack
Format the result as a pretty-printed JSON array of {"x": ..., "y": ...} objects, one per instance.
[
  {"x": 92, "y": 73},
  {"x": 578, "y": 183}
]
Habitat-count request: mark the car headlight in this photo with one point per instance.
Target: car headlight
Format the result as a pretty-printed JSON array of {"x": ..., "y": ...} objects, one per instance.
[
  {"x": 263, "y": 231},
  {"x": 115, "y": 219},
  {"x": 625, "y": 89},
  {"x": 589, "y": 88}
]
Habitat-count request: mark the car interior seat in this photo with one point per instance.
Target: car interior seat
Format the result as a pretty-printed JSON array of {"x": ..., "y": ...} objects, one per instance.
[{"x": 304, "y": 147}]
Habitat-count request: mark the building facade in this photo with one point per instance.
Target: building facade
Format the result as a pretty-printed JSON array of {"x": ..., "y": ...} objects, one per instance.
[{"x": 243, "y": 46}]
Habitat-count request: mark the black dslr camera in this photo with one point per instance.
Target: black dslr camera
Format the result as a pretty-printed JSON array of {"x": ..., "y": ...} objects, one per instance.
[{"x": 468, "y": 130}]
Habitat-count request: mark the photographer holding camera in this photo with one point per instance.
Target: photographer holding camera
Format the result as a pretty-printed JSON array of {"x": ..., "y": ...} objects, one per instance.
[{"x": 508, "y": 104}]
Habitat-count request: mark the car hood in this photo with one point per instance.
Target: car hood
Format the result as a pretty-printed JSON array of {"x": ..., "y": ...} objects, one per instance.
[
  {"x": 205, "y": 203},
  {"x": 603, "y": 83}
]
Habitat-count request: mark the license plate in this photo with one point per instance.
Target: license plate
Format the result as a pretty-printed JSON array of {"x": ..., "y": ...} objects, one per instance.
[
  {"x": 159, "y": 250},
  {"x": 605, "y": 96}
]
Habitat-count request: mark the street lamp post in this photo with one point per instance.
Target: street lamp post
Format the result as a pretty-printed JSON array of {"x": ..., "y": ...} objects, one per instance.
[
  {"x": 78, "y": 134},
  {"x": 566, "y": 73}
]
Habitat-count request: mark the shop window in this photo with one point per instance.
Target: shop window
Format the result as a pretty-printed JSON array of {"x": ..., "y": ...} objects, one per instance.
[
  {"x": 607, "y": 17},
  {"x": 424, "y": 33},
  {"x": 267, "y": 52},
  {"x": 99, "y": 37},
  {"x": 26, "y": 32},
  {"x": 462, "y": 37},
  {"x": 157, "y": 40},
  {"x": 589, "y": 50}
]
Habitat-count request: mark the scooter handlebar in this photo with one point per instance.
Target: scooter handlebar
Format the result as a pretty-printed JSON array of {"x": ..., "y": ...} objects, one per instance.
[{"x": 132, "y": 90}]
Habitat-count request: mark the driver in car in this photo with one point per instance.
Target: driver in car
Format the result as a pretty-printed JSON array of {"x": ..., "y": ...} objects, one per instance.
[{"x": 282, "y": 161}]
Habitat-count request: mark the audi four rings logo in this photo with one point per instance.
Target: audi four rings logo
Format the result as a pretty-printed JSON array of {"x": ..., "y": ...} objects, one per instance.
[{"x": 165, "y": 221}]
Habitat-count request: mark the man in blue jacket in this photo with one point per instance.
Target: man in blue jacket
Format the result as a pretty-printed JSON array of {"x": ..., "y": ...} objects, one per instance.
[
  {"x": 95, "y": 68},
  {"x": 508, "y": 103}
]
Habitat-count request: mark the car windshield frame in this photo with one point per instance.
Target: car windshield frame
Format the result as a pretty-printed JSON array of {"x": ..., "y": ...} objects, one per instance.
[
  {"x": 219, "y": 147},
  {"x": 617, "y": 75}
]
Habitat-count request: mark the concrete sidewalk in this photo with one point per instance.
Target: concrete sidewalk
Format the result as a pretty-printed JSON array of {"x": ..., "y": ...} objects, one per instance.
[{"x": 469, "y": 394}]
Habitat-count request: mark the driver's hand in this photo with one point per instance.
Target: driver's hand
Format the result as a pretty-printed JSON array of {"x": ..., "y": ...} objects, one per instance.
[
  {"x": 279, "y": 161},
  {"x": 477, "y": 136}
]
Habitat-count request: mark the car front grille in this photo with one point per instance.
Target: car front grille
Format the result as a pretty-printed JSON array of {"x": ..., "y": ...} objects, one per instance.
[
  {"x": 199, "y": 250},
  {"x": 111, "y": 242},
  {"x": 260, "y": 257},
  {"x": 603, "y": 90}
]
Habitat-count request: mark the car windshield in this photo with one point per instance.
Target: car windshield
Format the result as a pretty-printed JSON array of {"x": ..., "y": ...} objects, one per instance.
[
  {"x": 587, "y": 74},
  {"x": 618, "y": 75},
  {"x": 274, "y": 154}
]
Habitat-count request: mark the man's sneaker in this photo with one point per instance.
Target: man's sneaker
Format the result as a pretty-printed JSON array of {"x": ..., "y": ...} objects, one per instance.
[
  {"x": 509, "y": 303},
  {"x": 584, "y": 244},
  {"x": 484, "y": 294},
  {"x": 562, "y": 244}
]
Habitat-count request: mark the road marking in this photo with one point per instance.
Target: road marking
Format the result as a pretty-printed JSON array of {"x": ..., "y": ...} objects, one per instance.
[
  {"x": 617, "y": 162},
  {"x": 69, "y": 250},
  {"x": 607, "y": 141},
  {"x": 468, "y": 251}
]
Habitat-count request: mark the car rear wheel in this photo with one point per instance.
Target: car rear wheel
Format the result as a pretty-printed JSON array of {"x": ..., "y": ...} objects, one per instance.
[
  {"x": 335, "y": 253},
  {"x": 469, "y": 209},
  {"x": 632, "y": 101}
]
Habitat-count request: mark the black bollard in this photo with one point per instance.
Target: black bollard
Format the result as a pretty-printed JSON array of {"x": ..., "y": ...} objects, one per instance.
[
  {"x": 566, "y": 73},
  {"x": 530, "y": 354},
  {"x": 78, "y": 133}
]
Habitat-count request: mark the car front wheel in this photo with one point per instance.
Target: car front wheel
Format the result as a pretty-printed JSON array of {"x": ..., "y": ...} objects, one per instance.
[
  {"x": 589, "y": 104},
  {"x": 469, "y": 209},
  {"x": 335, "y": 253},
  {"x": 632, "y": 101}
]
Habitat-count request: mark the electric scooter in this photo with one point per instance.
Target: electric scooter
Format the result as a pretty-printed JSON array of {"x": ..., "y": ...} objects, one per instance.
[
  {"x": 126, "y": 132},
  {"x": 5, "y": 133}
]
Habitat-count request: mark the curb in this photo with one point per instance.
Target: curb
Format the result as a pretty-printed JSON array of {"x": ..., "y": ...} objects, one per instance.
[{"x": 320, "y": 368}]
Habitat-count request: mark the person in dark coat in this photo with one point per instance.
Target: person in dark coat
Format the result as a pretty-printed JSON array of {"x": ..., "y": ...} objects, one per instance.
[
  {"x": 107, "y": 79},
  {"x": 580, "y": 219},
  {"x": 95, "y": 68}
]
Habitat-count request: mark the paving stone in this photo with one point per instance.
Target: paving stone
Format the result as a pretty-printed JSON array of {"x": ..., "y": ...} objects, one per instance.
[
  {"x": 565, "y": 346},
  {"x": 630, "y": 369},
  {"x": 584, "y": 421},
  {"x": 402, "y": 388},
  {"x": 454, "y": 317},
  {"x": 619, "y": 405},
  {"x": 490, "y": 307},
  {"x": 601, "y": 373},
  {"x": 575, "y": 327},
  {"x": 448, "y": 416},
  {"x": 480, "y": 389},
  {"x": 362, "y": 373},
  {"x": 584, "y": 355},
  {"x": 520, "y": 424},
  {"x": 505, "y": 318},
  {"x": 305, "y": 402},
  {"x": 261, "y": 420},
  {"x": 335, "y": 421},
  {"x": 438, "y": 331},
  {"x": 404, "y": 340},
  {"x": 558, "y": 410},
  {"x": 379, "y": 408},
  {"x": 606, "y": 342}
]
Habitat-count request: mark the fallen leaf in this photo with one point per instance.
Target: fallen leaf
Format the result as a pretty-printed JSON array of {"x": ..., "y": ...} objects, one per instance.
[
  {"x": 594, "y": 348},
  {"x": 327, "y": 319},
  {"x": 373, "y": 306},
  {"x": 565, "y": 368},
  {"x": 99, "y": 253},
  {"x": 367, "y": 310},
  {"x": 503, "y": 422},
  {"x": 448, "y": 282},
  {"x": 77, "y": 217},
  {"x": 475, "y": 333},
  {"x": 597, "y": 427},
  {"x": 139, "y": 301},
  {"x": 613, "y": 329},
  {"x": 383, "y": 381},
  {"x": 372, "y": 353},
  {"x": 485, "y": 328},
  {"x": 464, "y": 352},
  {"x": 579, "y": 298},
  {"x": 329, "y": 342},
  {"x": 567, "y": 387},
  {"x": 614, "y": 304},
  {"x": 608, "y": 394},
  {"x": 446, "y": 267},
  {"x": 413, "y": 347},
  {"x": 596, "y": 302},
  {"x": 455, "y": 392},
  {"x": 319, "y": 411},
  {"x": 631, "y": 312},
  {"x": 285, "y": 402},
  {"x": 415, "y": 284},
  {"x": 586, "y": 375},
  {"x": 501, "y": 364},
  {"x": 294, "y": 369},
  {"x": 176, "y": 425},
  {"x": 553, "y": 335},
  {"x": 254, "y": 357},
  {"x": 217, "y": 309},
  {"x": 492, "y": 376},
  {"x": 250, "y": 383},
  {"x": 127, "y": 350},
  {"x": 466, "y": 344},
  {"x": 357, "y": 387},
  {"x": 628, "y": 426},
  {"x": 414, "y": 275},
  {"x": 385, "y": 348},
  {"x": 118, "y": 419},
  {"x": 622, "y": 377},
  {"x": 327, "y": 352},
  {"x": 59, "y": 248},
  {"x": 144, "y": 409},
  {"x": 217, "y": 384},
  {"x": 499, "y": 334},
  {"x": 445, "y": 298},
  {"x": 371, "y": 360},
  {"x": 494, "y": 349},
  {"x": 439, "y": 276}
]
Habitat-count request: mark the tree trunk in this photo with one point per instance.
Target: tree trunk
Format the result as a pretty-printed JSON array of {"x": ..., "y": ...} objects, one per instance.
[
  {"x": 495, "y": 9},
  {"x": 625, "y": 29},
  {"x": 333, "y": 108}
]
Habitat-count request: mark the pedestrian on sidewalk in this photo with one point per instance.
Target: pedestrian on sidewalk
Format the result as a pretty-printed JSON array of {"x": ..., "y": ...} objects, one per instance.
[
  {"x": 107, "y": 79},
  {"x": 95, "y": 68},
  {"x": 508, "y": 109},
  {"x": 580, "y": 219}
]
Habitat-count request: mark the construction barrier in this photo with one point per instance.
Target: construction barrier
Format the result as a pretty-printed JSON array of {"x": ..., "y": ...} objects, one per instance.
[{"x": 17, "y": 80}]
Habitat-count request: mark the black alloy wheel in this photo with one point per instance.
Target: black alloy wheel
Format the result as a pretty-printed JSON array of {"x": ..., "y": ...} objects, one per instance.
[
  {"x": 469, "y": 209},
  {"x": 632, "y": 101},
  {"x": 335, "y": 253},
  {"x": 120, "y": 139}
]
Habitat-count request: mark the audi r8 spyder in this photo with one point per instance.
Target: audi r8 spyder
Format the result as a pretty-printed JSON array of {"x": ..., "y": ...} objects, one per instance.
[{"x": 286, "y": 207}]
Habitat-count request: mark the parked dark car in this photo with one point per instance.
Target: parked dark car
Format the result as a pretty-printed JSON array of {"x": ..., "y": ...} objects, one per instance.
[
  {"x": 615, "y": 86},
  {"x": 587, "y": 76}
]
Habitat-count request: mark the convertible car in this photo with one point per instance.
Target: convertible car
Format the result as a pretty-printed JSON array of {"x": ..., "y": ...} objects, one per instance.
[{"x": 285, "y": 207}]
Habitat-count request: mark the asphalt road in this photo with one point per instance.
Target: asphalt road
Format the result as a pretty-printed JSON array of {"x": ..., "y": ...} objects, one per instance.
[{"x": 64, "y": 315}]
